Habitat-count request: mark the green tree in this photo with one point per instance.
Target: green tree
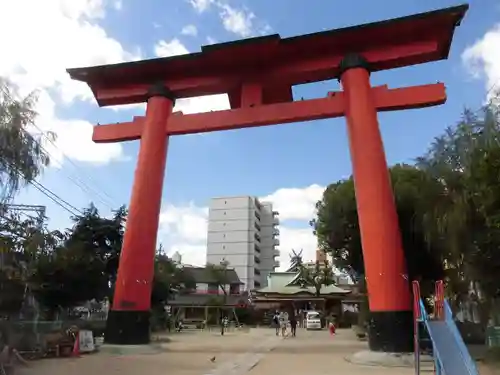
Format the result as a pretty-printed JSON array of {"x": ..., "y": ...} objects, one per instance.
[
  {"x": 81, "y": 263},
  {"x": 169, "y": 279},
  {"x": 318, "y": 276},
  {"x": 466, "y": 161},
  {"x": 337, "y": 229},
  {"x": 22, "y": 157},
  {"x": 100, "y": 237},
  {"x": 22, "y": 242},
  {"x": 68, "y": 277},
  {"x": 218, "y": 273}
]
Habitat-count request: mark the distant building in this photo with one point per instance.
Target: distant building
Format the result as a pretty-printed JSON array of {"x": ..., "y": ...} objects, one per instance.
[
  {"x": 207, "y": 291},
  {"x": 243, "y": 232},
  {"x": 284, "y": 287}
]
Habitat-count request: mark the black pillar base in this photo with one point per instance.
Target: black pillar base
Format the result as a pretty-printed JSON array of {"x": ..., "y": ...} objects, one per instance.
[
  {"x": 391, "y": 331},
  {"x": 127, "y": 328}
]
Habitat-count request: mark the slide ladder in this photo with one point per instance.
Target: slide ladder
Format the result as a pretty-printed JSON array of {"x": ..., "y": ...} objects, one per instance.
[{"x": 451, "y": 356}]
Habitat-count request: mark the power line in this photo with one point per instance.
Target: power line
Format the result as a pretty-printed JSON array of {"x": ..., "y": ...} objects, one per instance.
[
  {"x": 104, "y": 198},
  {"x": 49, "y": 194},
  {"x": 56, "y": 198}
]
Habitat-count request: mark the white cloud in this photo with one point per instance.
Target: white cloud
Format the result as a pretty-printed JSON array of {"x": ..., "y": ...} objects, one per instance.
[
  {"x": 296, "y": 203},
  {"x": 189, "y": 30},
  {"x": 296, "y": 239},
  {"x": 239, "y": 21},
  {"x": 211, "y": 40},
  {"x": 47, "y": 39},
  {"x": 170, "y": 48},
  {"x": 483, "y": 59},
  {"x": 184, "y": 228},
  {"x": 201, "y": 5},
  {"x": 118, "y": 4}
]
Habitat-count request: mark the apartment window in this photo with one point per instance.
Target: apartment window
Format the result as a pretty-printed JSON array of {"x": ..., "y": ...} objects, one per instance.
[
  {"x": 256, "y": 249},
  {"x": 257, "y": 215},
  {"x": 256, "y": 271},
  {"x": 257, "y": 284},
  {"x": 256, "y": 260},
  {"x": 256, "y": 236}
]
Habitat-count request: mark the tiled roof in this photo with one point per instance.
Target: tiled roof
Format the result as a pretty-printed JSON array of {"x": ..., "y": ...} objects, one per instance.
[
  {"x": 202, "y": 275},
  {"x": 204, "y": 300}
]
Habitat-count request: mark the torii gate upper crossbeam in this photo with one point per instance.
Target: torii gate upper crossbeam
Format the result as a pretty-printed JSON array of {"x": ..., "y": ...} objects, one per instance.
[{"x": 270, "y": 114}]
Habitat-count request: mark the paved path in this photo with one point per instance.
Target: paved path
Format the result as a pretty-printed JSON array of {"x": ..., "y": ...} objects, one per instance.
[{"x": 258, "y": 352}]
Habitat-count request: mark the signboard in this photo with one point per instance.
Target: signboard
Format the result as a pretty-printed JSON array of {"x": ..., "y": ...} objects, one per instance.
[{"x": 86, "y": 341}]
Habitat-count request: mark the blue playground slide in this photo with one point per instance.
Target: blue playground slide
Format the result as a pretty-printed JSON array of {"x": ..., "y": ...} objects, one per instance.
[{"x": 451, "y": 356}]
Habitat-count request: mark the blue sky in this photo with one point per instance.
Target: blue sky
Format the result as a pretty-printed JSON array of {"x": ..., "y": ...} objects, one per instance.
[{"x": 290, "y": 164}]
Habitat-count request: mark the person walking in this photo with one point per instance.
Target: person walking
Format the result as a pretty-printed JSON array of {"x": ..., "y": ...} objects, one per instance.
[
  {"x": 276, "y": 322},
  {"x": 283, "y": 323},
  {"x": 293, "y": 325}
]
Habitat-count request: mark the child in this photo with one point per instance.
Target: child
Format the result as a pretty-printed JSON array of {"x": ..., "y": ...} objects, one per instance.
[
  {"x": 283, "y": 323},
  {"x": 331, "y": 328}
]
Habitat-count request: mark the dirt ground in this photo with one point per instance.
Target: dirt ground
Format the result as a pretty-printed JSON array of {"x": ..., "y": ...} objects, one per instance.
[{"x": 258, "y": 352}]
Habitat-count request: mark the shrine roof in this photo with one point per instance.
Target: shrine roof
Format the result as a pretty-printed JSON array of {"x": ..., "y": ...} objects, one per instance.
[
  {"x": 252, "y": 56},
  {"x": 283, "y": 283}
]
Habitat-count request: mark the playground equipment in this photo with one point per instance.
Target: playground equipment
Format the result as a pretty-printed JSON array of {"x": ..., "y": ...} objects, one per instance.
[{"x": 451, "y": 356}]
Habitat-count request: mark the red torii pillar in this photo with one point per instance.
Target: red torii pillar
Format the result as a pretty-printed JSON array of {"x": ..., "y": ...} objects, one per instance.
[
  {"x": 130, "y": 312},
  {"x": 262, "y": 96}
]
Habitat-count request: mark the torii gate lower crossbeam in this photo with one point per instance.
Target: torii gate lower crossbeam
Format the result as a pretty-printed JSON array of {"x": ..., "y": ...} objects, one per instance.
[{"x": 387, "y": 280}]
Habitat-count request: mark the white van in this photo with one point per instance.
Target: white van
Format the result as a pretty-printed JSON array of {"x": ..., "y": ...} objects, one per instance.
[{"x": 313, "y": 320}]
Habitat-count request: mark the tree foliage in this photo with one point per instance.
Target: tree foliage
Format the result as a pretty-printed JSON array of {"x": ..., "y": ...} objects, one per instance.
[
  {"x": 318, "y": 276},
  {"x": 169, "y": 279},
  {"x": 64, "y": 269},
  {"x": 218, "y": 273},
  {"x": 448, "y": 205},
  {"x": 22, "y": 157},
  {"x": 337, "y": 228}
]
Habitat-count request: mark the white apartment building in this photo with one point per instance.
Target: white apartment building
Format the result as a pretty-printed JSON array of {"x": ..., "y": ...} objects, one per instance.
[{"x": 244, "y": 233}]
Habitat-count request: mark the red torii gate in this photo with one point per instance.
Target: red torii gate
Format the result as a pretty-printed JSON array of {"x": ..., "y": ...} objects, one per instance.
[{"x": 258, "y": 75}]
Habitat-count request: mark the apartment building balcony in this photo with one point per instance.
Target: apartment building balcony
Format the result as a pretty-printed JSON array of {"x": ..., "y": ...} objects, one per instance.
[
  {"x": 256, "y": 237},
  {"x": 276, "y": 221},
  {"x": 276, "y": 232},
  {"x": 276, "y": 242},
  {"x": 276, "y": 263},
  {"x": 276, "y": 213},
  {"x": 276, "y": 253}
]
